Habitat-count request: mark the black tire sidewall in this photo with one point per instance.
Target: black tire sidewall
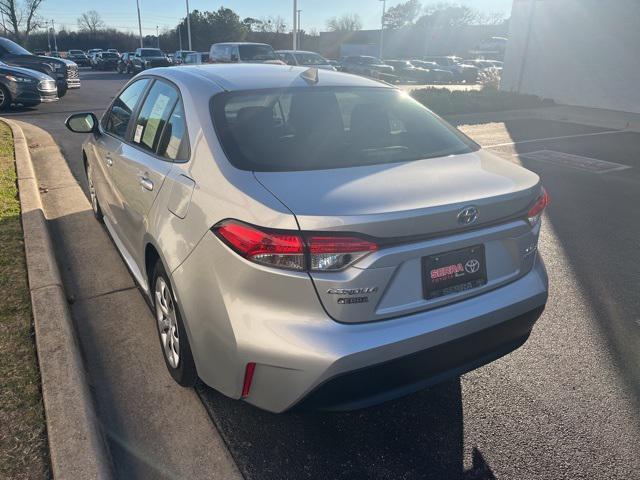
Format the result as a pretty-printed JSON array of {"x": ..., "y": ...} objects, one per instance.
[
  {"x": 7, "y": 98},
  {"x": 185, "y": 373}
]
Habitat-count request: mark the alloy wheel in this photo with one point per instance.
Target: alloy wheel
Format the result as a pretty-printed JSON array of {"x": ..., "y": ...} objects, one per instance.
[{"x": 167, "y": 322}]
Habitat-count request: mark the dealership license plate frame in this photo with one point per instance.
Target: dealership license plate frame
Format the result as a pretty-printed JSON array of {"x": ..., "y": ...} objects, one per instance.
[{"x": 461, "y": 281}]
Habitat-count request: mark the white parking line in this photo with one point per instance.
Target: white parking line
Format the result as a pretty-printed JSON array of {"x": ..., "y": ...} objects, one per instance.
[{"x": 578, "y": 135}]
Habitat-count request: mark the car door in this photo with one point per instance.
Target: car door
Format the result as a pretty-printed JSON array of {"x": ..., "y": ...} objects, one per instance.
[
  {"x": 140, "y": 171},
  {"x": 109, "y": 146}
]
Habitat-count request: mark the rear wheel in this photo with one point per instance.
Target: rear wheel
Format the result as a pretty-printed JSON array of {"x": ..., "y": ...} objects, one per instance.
[
  {"x": 173, "y": 337},
  {"x": 5, "y": 98}
]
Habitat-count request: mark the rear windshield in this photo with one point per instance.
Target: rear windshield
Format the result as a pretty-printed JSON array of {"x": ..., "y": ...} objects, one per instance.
[
  {"x": 151, "y": 52},
  {"x": 310, "y": 59},
  {"x": 109, "y": 55},
  {"x": 329, "y": 127},
  {"x": 256, "y": 53}
]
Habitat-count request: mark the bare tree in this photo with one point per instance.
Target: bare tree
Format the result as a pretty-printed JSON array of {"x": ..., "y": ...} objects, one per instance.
[
  {"x": 90, "y": 21},
  {"x": 22, "y": 17},
  {"x": 346, "y": 23}
]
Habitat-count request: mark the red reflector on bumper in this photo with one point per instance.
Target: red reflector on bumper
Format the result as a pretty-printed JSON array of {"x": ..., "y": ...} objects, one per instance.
[{"x": 248, "y": 378}]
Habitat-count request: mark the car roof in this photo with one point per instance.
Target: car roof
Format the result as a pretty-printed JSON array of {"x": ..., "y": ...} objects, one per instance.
[
  {"x": 297, "y": 51},
  {"x": 252, "y": 76},
  {"x": 242, "y": 43}
]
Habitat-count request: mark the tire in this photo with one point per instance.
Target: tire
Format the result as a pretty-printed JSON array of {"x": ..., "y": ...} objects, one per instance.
[
  {"x": 95, "y": 204},
  {"x": 5, "y": 98},
  {"x": 176, "y": 350}
]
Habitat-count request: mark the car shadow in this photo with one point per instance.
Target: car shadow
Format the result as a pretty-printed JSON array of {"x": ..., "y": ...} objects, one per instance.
[{"x": 417, "y": 437}]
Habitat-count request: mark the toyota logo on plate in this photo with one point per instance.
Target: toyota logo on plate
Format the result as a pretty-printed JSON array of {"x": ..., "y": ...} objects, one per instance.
[
  {"x": 468, "y": 215},
  {"x": 472, "y": 266}
]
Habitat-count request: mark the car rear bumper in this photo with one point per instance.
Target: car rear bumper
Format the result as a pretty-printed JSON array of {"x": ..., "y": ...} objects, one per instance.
[{"x": 237, "y": 312}]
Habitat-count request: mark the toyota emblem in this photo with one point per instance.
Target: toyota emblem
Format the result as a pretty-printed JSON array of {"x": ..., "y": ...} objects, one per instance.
[
  {"x": 472, "y": 266},
  {"x": 468, "y": 215}
]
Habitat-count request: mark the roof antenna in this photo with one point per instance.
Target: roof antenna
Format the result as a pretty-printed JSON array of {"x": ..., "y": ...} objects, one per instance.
[{"x": 310, "y": 75}]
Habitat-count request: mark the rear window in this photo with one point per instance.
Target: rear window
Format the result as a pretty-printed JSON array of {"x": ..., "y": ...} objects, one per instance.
[
  {"x": 151, "y": 52},
  {"x": 329, "y": 127},
  {"x": 310, "y": 59},
  {"x": 256, "y": 53},
  {"x": 109, "y": 55}
]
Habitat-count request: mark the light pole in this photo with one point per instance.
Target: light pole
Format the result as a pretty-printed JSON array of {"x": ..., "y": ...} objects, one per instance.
[
  {"x": 179, "y": 38},
  {"x": 299, "y": 32},
  {"x": 294, "y": 33},
  {"x": 139, "y": 23},
  {"x": 188, "y": 25},
  {"x": 158, "y": 36},
  {"x": 384, "y": 7},
  {"x": 55, "y": 42}
]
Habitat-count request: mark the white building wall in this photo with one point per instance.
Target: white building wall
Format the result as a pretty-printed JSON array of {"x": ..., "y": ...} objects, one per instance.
[{"x": 576, "y": 52}]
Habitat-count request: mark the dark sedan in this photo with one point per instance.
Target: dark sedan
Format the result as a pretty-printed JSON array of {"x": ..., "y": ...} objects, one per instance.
[
  {"x": 124, "y": 64},
  {"x": 105, "y": 61},
  {"x": 79, "y": 57},
  {"x": 145, "y": 58},
  {"x": 26, "y": 87}
]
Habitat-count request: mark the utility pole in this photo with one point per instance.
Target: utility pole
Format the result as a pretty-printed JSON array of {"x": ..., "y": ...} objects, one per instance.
[
  {"x": 294, "y": 33},
  {"x": 188, "y": 25},
  {"x": 384, "y": 8},
  {"x": 53, "y": 28},
  {"x": 49, "y": 39},
  {"x": 139, "y": 23},
  {"x": 158, "y": 35},
  {"x": 179, "y": 38},
  {"x": 299, "y": 32}
]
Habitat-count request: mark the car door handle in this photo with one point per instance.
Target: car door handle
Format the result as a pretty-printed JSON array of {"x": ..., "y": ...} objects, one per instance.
[
  {"x": 146, "y": 183},
  {"x": 109, "y": 160}
]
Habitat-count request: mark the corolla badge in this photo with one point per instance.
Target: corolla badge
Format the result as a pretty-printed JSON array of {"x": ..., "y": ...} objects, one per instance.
[{"x": 468, "y": 215}]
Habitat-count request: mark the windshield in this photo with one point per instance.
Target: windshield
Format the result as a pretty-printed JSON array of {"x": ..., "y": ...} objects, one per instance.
[
  {"x": 76, "y": 52},
  {"x": 259, "y": 53},
  {"x": 109, "y": 55},
  {"x": 13, "y": 48},
  {"x": 329, "y": 127},
  {"x": 151, "y": 52},
  {"x": 310, "y": 59}
]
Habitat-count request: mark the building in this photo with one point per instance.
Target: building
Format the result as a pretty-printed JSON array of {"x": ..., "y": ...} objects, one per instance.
[{"x": 576, "y": 52}]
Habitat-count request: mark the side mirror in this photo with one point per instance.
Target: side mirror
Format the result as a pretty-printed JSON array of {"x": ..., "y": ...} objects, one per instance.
[{"x": 82, "y": 123}]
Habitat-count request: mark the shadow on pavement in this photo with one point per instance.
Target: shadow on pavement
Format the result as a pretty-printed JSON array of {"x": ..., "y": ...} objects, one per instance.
[{"x": 418, "y": 437}]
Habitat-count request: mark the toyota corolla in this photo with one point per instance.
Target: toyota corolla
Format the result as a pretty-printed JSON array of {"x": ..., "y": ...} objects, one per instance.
[{"x": 313, "y": 239}]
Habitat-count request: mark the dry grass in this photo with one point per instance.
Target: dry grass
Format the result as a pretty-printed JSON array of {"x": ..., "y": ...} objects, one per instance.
[{"x": 23, "y": 437}]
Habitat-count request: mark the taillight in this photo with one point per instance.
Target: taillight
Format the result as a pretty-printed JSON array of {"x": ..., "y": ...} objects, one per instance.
[
  {"x": 535, "y": 212},
  {"x": 290, "y": 250},
  {"x": 282, "y": 250}
]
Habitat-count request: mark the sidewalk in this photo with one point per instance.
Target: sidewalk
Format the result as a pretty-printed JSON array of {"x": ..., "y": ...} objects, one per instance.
[{"x": 154, "y": 428}]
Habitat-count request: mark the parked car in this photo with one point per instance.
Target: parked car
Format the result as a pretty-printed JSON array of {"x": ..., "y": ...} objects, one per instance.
[
  {"x": 64, "y": 72},
  {"x": 91, "y": 51},
  {"x": 113, "y": 50},
  {"x": 196, "y": 58},
  {"x": 461, "y": 71},
  {"x": 406, "y": 71},
  {"x": 79, "y": 57},
  {"x": 304, "y": 59},
  {"x": 105, "y": 61},
  {"x": 438, "y": 74},
  {"x": 327, "y": 244},
  {"x": 40, "y": 53},
  {"x": 335, "y": 64},
  {"x": 368, "y": 66},
  {"x": 26, "y": 87},
  {"x": 243, "y": 52},
  {"x": 124, "y": 63},
  {"x": 179, "y": 56},
  {"x": 145, "y": 58}
]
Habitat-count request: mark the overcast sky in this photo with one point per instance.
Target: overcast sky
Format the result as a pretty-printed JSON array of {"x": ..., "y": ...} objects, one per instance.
[{"x": 166, "y": 13}]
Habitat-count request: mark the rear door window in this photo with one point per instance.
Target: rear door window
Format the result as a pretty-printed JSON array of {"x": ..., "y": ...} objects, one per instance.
[
  {"x": 174, "y": 144},
  {"x": 154, "y": 114}
]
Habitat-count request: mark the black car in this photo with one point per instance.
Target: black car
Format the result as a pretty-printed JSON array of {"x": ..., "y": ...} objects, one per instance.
[
  {"x": 64, "y": 72},
  {"x": 367, "y": 66},
  {"x": 79, "y": 57},
  {"x": 26, "y": 87},
  {"x": 105, "y": 61},
  {"x": 124, "y": 64},
  {"x": 145, "y": 58}
]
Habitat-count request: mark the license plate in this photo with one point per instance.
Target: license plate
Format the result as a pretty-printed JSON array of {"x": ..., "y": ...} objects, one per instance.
[{"x": 454, "y": 272}]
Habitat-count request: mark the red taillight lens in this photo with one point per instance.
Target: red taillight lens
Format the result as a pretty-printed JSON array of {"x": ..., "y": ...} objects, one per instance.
[
  {"x": 248, "y": 378},
  {"x": 289, "y": 250},
  {"x": 335, "y": 253},
  {"x": 273, "y": 249},
  {"x": 535, "y": 212}
]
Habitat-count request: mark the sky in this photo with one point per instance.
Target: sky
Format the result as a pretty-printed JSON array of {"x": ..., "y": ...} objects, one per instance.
[{"x": 166, "y": 13}]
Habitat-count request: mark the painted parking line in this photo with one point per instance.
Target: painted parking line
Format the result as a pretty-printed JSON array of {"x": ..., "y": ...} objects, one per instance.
[
  {"x": 577, "y": 162},
  {"x": 578, "y": 135}
]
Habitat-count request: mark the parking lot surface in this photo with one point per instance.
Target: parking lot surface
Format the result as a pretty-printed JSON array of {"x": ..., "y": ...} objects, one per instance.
[{"x": 565, "y": 405}]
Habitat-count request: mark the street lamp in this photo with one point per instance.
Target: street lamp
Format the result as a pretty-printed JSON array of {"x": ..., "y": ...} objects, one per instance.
[
  {"x": 139, "y": 23},
  {"x": 188, "y": 25},
  {"x": 299, "y": 32},
  {"x": 384, "y": 7},
  {"x": 294, "y": 33}
]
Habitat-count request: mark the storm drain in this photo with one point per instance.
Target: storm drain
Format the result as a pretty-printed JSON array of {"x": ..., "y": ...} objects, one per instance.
[{"x": 578, "y": 162}]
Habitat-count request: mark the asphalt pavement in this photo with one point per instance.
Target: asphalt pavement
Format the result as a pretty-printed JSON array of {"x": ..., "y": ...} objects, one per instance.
[{"x": 564, "y": 406}]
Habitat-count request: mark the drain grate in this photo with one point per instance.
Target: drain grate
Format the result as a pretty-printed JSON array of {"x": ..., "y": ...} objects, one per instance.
[{"x": 578, "y": 162}]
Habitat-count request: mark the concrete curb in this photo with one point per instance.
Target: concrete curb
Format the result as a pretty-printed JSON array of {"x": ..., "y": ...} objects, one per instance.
[{"x": 77, "y": 447}]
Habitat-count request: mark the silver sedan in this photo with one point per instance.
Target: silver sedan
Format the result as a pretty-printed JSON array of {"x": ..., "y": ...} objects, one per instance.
[{"x": 313, "y": 239}]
